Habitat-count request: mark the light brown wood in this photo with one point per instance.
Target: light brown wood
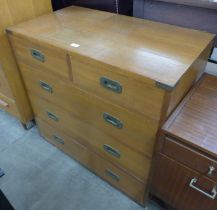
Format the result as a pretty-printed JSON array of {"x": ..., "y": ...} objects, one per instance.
[
  {"x": 135, "y": 163},
  {"x": 154, "y": 63},
  {"x": 138, "y": 132},
  {"x": 146, "y": 50},
  {"x": 12, "y": 13},
  {"x": 126, "y": 183}
]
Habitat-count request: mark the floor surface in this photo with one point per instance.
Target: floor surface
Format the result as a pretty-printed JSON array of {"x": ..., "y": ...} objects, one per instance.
[{"x": 40, "y": 177}]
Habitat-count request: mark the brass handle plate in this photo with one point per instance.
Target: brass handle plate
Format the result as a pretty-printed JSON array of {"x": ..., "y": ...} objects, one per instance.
[
  {"x": 52, "y": 116},
  {"x": 112, "y": 175},
  {"x": 111, "y": 84},
  {"x": 38, "y": 55},
  {"x": 46, "y": 86},
  {"x": 113, "y": 120},
  {"x": 58, "y": 140},
  {"x": 112, "y": 151}
]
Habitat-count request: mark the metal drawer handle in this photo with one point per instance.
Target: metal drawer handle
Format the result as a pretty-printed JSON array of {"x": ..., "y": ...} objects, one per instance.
[
  {"x": 52, "y": 116},
  {"x": 111, "y": 84},
  {"x": 112, "y": 120},
  {"x": 112, "y": 151},
  {"x": 46, "y": 86},
  {"x": 3, "y": 103},
  {"x": 211, "y": 170},
  {"x": 211, "y": 196},
  {"x": 58, "y": 140},
  {"x": 36, "y": 54},
  {"x": 112, "y": 175}
]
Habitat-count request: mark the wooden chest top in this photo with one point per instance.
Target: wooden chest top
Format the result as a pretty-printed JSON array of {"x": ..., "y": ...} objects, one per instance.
[
  {"x": 195, "y": 120},
  {"x": 145, "y": 50}
]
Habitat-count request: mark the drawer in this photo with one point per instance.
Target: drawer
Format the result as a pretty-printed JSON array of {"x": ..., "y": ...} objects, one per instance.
[
  {"x": 41, "y": 55},
  {"x": 105, "y": 145},
  {"x": 119, "y": 89},
  {"x": 182, "y": 187},
  {"x": 8, "y": 105},
  {"x": 92, "y": 161},
  {"x": 191, "y": 158},
  {"x": 134, "y": 130}
]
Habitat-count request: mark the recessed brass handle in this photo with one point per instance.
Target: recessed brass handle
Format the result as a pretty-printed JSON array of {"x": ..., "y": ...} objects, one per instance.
[
  {"x": 52, "y": 116},
  {"x": 211, "y": 195},
  {"x": 112, "y": 175},
  {"x": 112, "y": 151},
  {"x": 38, "y": 55},
  {"x": 58, "y": 140},
  {"x": 46, "y": 86},
  {"x": 111, "y": 84},
  {"x": 113, "y": 120}
]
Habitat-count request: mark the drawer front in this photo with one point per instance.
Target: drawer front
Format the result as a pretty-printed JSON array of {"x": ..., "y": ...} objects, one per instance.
[
  {"x": 105, "y": 145},
  {"x": 8, "y": 105},
  {"x": 190, "y": 158},
  {"x": 124, "y": 91},
  {"x": 182, "y": 188},
  {"x": 132, "y": 129},
  {"x": 41, "y": 55},
  {"x": 101, "y": 167}
]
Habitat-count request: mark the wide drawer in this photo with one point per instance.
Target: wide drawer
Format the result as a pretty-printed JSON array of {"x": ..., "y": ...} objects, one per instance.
[
  {"x": 191, "y": 158},
  {"x": 37, "y": 54},
  {"x": 98, "y": 165},
  {"x": 127, "y": 92},
  {"x": 107, "y": 146},
  {"x": 134, "y": 130},
  {"x": 181, "y": 187},
  {"x": 8, "y": 105}
]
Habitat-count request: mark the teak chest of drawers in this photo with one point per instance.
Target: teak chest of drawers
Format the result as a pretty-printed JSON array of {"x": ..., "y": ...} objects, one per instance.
[
  {"x": 185, "y": 165},
  {"x": 13, "y": 97},
  {"x": 101, "y": 85}
]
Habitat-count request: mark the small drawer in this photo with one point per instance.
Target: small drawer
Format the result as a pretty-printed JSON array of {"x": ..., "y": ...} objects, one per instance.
[
  {"x": 117, "y": 88},
  {"x": 8, "y": 105},
  {"x": 92, "y": 161},
  {"x": 182, "y": 187},
  {"x": 41, "y": 55},
  {"x": 105, "y": 145},
  {"x": 132, "y": 129},
  {"x": 190, "y": 157}
]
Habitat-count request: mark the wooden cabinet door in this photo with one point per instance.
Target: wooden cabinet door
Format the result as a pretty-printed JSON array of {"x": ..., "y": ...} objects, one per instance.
[{"x": 171, "y": 182}]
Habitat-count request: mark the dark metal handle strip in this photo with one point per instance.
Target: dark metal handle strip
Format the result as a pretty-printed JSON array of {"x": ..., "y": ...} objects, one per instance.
[
  {"x": 36, "y": 54},
  {"x": 111, "y": 84},
  {"x": 114, "y": 152},
  {"x": 52, "y": 116},
  {"x": 112, "y": 175},
  {"x": 112, "y": 120},
  {"x": 46, "y": 86},
  {"x": 58, "y": 140}
]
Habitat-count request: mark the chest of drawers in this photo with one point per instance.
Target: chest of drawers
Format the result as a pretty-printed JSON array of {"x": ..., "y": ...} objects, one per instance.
[
  {"x": 13, "y": 97},
  {"x": 106, "y": 83},
  {"x": 185, "y": 164}
]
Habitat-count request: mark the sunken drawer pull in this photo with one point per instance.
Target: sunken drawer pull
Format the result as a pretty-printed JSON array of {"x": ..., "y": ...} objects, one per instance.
[
  {"x": 211, "y": 195},
  {"x": 4, "y": 104},
  {"x": 111, "y": 84},
  {"x": 112, "y": 120},
  {"x": 58, "y": 140},
  {"x": 112, "y": 151},
  {"x": 52, "y": 116},
  {"x": 112, "y": 175},
  {"x": 46, "y": 86},
  {"x": 36, "y": 54}
]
